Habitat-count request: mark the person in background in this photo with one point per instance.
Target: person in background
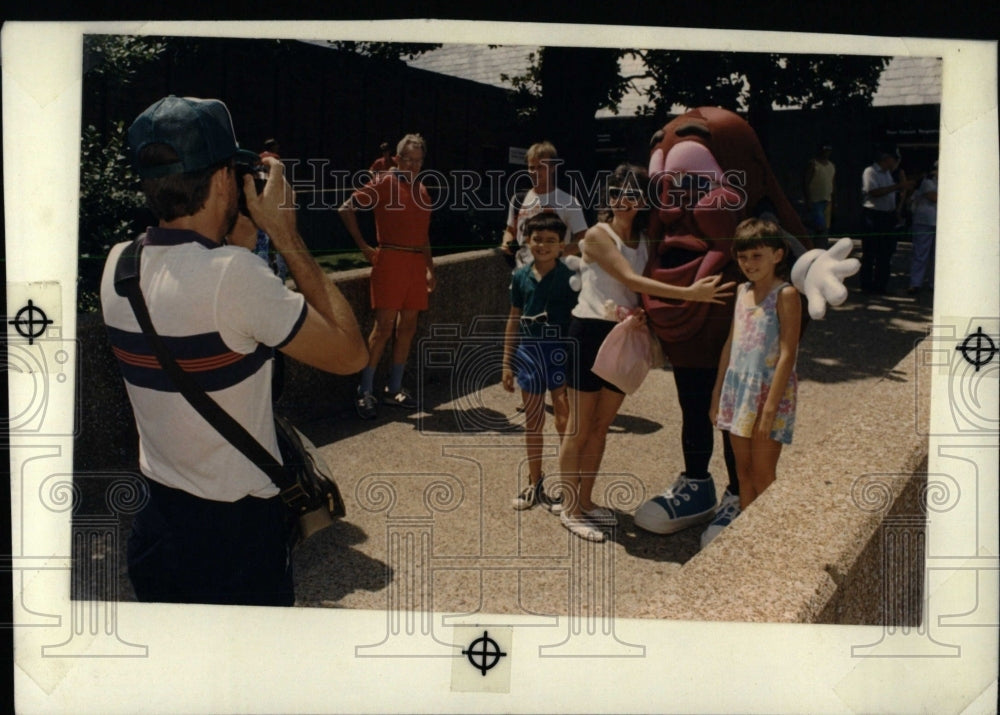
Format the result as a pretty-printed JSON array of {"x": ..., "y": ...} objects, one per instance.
[
  {"x": 817, "y": 185},
  {"x": 878, "y": 191},
  {"x": 544, "y": 195},
  {"x": 402, "y": 274},
  {"x": 924, "y": 231},
  {"x": 384, "y": 162}
]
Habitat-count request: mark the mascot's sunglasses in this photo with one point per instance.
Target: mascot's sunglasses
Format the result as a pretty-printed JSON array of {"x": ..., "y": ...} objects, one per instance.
[
  {"x": 539, "y": 319},
  {"x": 617, "y": 192}
]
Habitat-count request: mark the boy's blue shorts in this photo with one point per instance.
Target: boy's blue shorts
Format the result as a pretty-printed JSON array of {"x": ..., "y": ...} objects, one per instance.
[{"x": 540, "y": 365}]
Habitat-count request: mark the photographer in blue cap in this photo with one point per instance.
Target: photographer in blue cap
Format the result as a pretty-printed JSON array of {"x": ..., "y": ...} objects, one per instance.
[{"x": 214, "y": 529}]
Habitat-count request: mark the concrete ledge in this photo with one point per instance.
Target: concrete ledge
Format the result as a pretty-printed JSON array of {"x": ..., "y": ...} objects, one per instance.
[
  {"x": 468, "y": 284},
  {"x": 839, "y": 537}
]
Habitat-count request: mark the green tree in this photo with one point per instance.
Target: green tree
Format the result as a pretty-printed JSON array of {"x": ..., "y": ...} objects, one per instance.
[
  {"x": 109, "y": 194},
  {"x": 118, "y": 57},
  {"x": 756, "y": 82},
  {"x": 564, "y": 87},
  {"x": 559, "y": 93}
]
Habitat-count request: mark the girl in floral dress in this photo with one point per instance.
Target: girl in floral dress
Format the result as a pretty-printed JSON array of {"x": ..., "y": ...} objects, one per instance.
[{"x": 755, "y": 390}]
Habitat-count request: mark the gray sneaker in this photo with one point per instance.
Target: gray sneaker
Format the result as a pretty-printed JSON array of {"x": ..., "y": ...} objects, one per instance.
[
  {"x": 728, "y": 509},
  {"x": 601, "y": 516},
  {"x": 528, "y": 496},
  {"x": 364, "y": 403}
]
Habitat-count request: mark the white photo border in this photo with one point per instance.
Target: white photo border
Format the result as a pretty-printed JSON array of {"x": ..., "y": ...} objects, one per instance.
[{"x": 207, "y": 659}]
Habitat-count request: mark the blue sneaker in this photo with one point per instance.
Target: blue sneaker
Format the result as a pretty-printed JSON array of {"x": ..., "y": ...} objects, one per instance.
[
  {"x": 686, "y": 503},
  {"x": 728, "y": 509}
]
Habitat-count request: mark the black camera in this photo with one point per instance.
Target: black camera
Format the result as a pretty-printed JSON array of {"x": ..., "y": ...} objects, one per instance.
[{"x": 259, "y": 173}]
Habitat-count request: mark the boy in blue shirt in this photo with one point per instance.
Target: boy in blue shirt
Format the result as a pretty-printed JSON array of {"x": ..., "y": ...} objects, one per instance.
[{"x": 536, "y": 349}]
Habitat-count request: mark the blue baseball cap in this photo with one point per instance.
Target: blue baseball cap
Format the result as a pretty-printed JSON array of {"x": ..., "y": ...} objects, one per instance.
[{"x": 200, "y": 131}]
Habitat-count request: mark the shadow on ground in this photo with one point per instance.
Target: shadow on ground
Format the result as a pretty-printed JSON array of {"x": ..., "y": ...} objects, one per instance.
[
  {"x": 327, "y": 568},
  {"x": 869, "y": 334}
]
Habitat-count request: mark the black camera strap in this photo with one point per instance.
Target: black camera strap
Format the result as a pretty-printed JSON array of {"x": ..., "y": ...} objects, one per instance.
[{"x": 127, "y": 284}]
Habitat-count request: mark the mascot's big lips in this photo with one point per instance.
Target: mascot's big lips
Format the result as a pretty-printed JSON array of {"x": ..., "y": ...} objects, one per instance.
[
  {"x": 696, "y": 208},
  {"x": 709, "y": 173}
]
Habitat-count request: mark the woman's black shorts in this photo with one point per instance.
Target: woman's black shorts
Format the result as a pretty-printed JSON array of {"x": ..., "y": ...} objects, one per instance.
[{"x": 588, "y": 334}]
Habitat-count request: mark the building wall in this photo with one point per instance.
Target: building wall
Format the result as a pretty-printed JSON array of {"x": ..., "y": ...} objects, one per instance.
[{"x": 329, "y": 107}]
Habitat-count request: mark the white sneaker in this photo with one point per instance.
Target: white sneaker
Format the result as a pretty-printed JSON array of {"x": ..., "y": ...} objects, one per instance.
[
  {"x": 582, "y": 527},
  {"x": 602, "y": 516}
]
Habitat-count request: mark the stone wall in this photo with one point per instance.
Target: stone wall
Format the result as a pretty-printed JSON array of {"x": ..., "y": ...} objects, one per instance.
[
  {"x": 840, "y": 538},
  {"x": 468, "y": 285}
]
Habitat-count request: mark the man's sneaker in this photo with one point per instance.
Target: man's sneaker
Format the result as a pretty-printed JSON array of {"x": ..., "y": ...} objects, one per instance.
[
  {"x": 399, "y": 399},
  {"x": 582, "y": 527},
  {"x": 686, "y": 503},
  {"x": 364, "y": 403},
  {"x": 728, "y": 509}
]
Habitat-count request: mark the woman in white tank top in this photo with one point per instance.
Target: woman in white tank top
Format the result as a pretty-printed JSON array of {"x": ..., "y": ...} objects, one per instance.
[{"x": 614, "y": 254}]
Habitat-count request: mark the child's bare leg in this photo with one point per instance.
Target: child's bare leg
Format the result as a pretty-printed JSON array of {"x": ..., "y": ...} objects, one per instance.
[
  {"x": 534, "y": 413},
  {"x": 744, "y": 468},
  {"x": 764, "y": 456}
]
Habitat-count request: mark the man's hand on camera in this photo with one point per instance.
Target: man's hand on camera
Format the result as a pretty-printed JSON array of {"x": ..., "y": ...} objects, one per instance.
[{"x": 274, "y": 208}]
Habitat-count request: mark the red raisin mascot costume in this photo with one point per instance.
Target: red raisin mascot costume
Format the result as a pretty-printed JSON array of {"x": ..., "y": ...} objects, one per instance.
[{"x": 708, "y": 172}]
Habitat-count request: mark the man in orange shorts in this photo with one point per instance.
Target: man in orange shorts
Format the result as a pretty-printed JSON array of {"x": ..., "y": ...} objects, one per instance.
[{"x": 402, "y": 269}]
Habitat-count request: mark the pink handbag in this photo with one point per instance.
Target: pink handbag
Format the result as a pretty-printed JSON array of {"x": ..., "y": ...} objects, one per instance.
[{"x": 625, "y": 356}]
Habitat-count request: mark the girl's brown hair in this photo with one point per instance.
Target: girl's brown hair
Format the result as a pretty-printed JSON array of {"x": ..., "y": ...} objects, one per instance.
[{"x": 757, "y": 232}]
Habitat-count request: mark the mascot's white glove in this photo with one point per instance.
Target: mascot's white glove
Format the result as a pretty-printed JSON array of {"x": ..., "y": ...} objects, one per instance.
[
  {"x": 819, "y": 275},
  {"x": 575, "y": 264}
]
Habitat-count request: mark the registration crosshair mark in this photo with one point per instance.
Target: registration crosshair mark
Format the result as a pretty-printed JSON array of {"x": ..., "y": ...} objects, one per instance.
[
  {"x": 973, "y": 354},
  {"x": 19, "y": 322},
  {"x": 489, "y": 653}
]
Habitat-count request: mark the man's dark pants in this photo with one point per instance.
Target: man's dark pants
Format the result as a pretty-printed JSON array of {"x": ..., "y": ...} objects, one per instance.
[
  {"x": 877, "y": 246},
  {"x": 184, "y": 549}
]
